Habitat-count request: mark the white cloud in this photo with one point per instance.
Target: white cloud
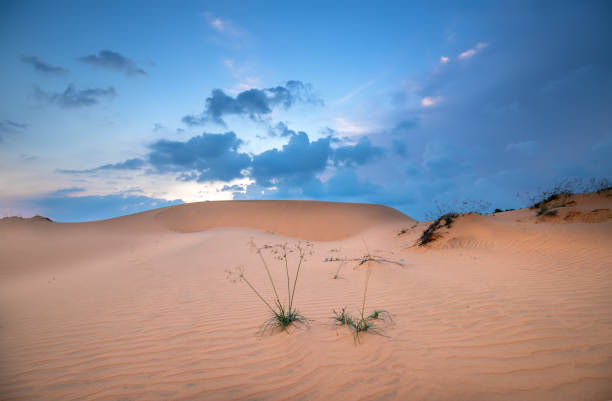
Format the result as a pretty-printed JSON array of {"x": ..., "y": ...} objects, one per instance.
[
  {"x": 429, "y": 101},
  {"x": 225, "y": 29},
  {"x": 444, "y": 60},
  {"x": 217, "y": 24},
  {"x": 473, "y": 51}
]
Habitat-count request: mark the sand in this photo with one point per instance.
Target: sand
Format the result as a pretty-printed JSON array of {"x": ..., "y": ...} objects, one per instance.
[{"x": 503, "y": 307}]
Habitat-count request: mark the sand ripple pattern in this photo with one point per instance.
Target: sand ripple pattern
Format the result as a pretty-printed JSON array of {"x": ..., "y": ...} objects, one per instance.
[{"x": 528, "y": 318}]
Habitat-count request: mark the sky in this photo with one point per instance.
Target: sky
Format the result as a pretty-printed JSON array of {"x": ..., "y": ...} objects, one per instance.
[{"x": 110, "y": 108}]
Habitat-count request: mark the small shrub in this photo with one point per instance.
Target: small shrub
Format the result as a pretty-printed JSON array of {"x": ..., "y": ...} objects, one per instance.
[
  {"x": 562, "y": 190},
  {"x": 430, "y": 234}
]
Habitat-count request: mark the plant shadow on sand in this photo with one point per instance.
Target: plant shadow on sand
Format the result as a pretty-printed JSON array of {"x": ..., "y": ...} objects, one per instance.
[{"x": 284, "y": 314}]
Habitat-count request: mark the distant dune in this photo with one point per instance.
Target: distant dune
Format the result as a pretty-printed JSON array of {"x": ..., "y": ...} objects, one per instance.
[
  {"x": 308, "y": 220},
  {"x": 510, "y": 306}
]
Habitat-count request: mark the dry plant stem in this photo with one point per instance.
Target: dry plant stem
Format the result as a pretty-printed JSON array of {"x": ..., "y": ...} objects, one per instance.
[
  {"x": 297, "y": 273},
  {"x": 258, "y": 294},
  {"x": 280, "y": 305},
  {"x": 287, "y": 271},
  {"x": 365, "y": 291}
]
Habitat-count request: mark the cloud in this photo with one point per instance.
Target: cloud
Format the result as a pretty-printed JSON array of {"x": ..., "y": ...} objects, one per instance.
[
  {"x": 429, "y": 101},
  {"x": 297, "y": 162},
  {"x": 207, "y": 157},
  {"x": 232, "y": 188},
  {"x": 73, "y": 97},
  {"x": 444, "y": 60},
  {"x": 8, "y": 126},
  {"x": 398, "y": 147},
  {"x": 113, "y": 61},
  {"x": 280, "y": 129},
  {"x": 472, "y": 52},
  {"x": 360, "y": 153},
  {"x": 130, "y": 164},
  {"x": 406, "y": 124},
  {"x": 11, "y": 127},
  {"x": 224, "y": 26},
  {"x": 68, "y": 205},
  {"x": 252, "y": 103},
  {"x": 43, "y": 67},
  {"x": 346, "y": 184}
]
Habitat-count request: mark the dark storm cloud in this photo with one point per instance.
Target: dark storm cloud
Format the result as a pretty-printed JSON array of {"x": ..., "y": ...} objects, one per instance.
[
  {"x": 360, "y": 153},
  {"x": 113, "y": 61},
  {"x": 252, "y": 103},
  {"x": 206, "y": 157},
  {"x": 43, "y": 67},
  {"x": 72, "y": 97},
  {"x": 298, "y": 161}
]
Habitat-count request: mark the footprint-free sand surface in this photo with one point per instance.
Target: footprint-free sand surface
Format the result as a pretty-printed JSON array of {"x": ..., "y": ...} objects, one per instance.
[{"x": 502, "y": 307}]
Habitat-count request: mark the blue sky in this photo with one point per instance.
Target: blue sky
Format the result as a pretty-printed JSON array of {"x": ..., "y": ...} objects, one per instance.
[{"x": 109, "y": 108}]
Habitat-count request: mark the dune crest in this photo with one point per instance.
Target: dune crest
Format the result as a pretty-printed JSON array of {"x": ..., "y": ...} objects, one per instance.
[{"x": 308, "y": 220}]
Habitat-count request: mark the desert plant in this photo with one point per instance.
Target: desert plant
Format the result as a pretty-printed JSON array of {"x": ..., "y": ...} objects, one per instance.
[
  {"x": 458, "y": 207},
  {"x": 366, "y": 258},
  {"x": 283, "y": 313},
  {"x": 342, "y": 318},
  {"x": 363, "y": 323},
  {"x": 562, "y": 190},
  {"x": 431, "y": 232}
]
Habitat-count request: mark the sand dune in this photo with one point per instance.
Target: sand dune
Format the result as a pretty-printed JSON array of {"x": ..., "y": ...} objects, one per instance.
[
  {"x": 308, "y": 220},
  {"x": 502, "y": 307}
]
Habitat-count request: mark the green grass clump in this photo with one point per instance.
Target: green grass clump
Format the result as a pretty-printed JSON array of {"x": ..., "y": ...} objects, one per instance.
[
  {"x": 284, "y": 314},
  {"x": 363, "y": 323}
]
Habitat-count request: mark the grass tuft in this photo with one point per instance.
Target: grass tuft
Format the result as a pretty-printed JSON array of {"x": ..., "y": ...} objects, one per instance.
[
  {"x": 362, "y": 323},
  {"x": 284, "y": 313},
  {"x": 380, "y": 315}
]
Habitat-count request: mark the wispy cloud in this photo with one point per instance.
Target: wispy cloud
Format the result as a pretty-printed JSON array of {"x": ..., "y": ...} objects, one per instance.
[
  {"x": 355, "y": 91},
  {"x": 11, "y": 127},
  {"x": 444, "y": 60},
  {"x": 113, "y": 61},
  {"x": 43, "y": 67},
  {"x": 72, "y": 97},
  {"x": 473, "y": 51},
  {"x": 130, "y": 164},
  {"x": 225, "y": 32},
  {"x": 243, "y": 74},
  {"x": 224, "y": 26}
]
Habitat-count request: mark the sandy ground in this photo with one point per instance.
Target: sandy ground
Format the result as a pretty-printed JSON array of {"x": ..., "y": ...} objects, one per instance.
[{"x": 503, "y": 307}]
